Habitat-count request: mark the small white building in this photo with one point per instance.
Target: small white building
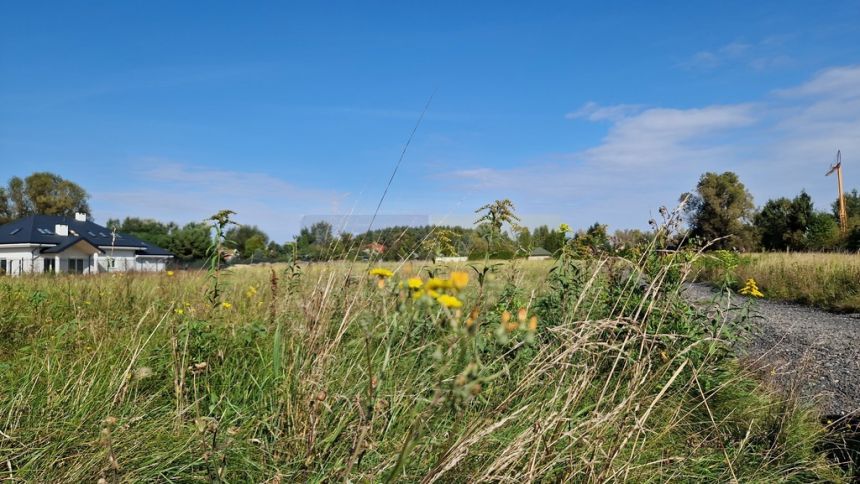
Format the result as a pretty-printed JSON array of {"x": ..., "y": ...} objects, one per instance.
[
  {"x": 59, "y": 244},
  {"x": 540, "y": 254}
]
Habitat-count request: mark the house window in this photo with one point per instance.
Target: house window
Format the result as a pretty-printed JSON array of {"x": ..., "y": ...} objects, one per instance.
[
  {"x": 3, "y": 267},
  {"x": 76, "y": 266},
  {"x": 50, "y": 265}
]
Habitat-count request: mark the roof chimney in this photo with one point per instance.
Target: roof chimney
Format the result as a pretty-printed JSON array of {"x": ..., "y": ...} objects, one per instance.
[
  {"x": 61, "y": 229},
  {"x": 80, "y": 217}
]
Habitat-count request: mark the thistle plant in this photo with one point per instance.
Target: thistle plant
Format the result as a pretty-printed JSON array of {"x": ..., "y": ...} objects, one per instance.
[{"x": 219, "y": 222}]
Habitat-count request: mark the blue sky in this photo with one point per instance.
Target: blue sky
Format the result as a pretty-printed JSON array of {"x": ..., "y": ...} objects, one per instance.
[{"x": 577, "y": 113}]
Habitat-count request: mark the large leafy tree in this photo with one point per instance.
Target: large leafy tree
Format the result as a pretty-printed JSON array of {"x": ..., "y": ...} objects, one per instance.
[
  {"x": 247, "y": 239},
  {"x": 721, "y": 208},
  {"x": 784, "y": 224},
  {"x": 191, "y": 241},
  {"x": 42, "y": 193},
  {"x": 146, "y": 229},
  {"x": 823, "y": 232}
]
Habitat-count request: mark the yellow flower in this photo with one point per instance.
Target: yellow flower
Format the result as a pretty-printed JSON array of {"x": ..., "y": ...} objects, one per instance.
[
  {"x": 449, "y": 301},
  {"x": 381, "y": 272},
  {"x": 436, "y": 283},
  {"x": 251, "y": 292},
  {"x": 418, "y": 294},
  {"x": 432, "y": 293},
  {"x": 459, "y": 279},
  {"x": 226, "y": 305},
  {"x": 87, "y": 303},
  {"x": 179, "y": 311},
  {"x": 522, "y": 315},
  {"x": 751, "y": 289},
  {"x": 169, "y": 273},
  {"x": 564, "y": 228},
  {"x": 414, "y": 283}
]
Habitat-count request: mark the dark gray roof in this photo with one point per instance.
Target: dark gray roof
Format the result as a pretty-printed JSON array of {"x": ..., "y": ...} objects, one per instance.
[
  {"x": 65, "y": 245},
  {"x": 540, "y": 251},
  {"x": 39, "y": 229}
]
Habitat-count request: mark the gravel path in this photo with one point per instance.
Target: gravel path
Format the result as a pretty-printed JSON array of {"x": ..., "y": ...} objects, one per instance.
[{"x": 798, "y": 345}]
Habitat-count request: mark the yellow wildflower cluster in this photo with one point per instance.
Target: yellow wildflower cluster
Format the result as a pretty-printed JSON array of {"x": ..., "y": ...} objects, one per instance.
[
  {"x": 251, "y": 292},
  {"x": 439, "y": 289},
  {"x": 226, "y": 305},
  {"x": 381, "y": 274},
  {"x": 523, "y": 321},
  {"x": 751, "y": 289}
]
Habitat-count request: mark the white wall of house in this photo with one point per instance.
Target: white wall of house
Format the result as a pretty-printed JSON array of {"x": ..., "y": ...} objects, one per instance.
[
  {"x": 19, "y": 259},
  {"x": 28, "y": 259},
  {"x": 123, "y": 260}
]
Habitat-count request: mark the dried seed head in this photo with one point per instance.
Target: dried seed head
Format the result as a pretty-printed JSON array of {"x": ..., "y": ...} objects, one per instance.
[
  {"x": 143, "y": 373},
  {"x": 321, "y": 396}
]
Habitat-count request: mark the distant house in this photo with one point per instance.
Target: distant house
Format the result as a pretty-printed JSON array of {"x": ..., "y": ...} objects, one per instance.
[
  {"x": 53, "y": 243},
  {"x": 539, "y": 254},
  {"x": 375, "y": 248},
  {"x": 456, "y": 258}
]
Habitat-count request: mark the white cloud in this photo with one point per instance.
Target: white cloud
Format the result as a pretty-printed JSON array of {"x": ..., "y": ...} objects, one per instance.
[
  {"x": 763, "y": 55},
  {"x": 662, "y": 136},
  {"x": 778, "y": 145},
  {"x": 595, "y": 112},
  {"x": 836, "y": 82}
]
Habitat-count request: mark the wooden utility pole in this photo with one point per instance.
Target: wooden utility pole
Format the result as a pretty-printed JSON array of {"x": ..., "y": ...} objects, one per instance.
[{"x": 843, "y": 215}]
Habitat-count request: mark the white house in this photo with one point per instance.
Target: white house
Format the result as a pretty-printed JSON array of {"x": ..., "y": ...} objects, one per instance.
[
  {"x": 54, "y": 243},
  {"x": 540, "y": 254}
]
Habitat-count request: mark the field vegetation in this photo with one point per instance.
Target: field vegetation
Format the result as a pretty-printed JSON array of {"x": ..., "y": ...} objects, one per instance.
[
  {"x": 827, "y": 280},
  {"x": 583, "y": 369}
]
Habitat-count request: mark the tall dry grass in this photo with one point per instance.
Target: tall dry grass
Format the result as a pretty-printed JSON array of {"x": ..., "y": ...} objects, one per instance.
[
  {"x": 827, "y": 280},
  {"x": 318, "y": 374}
]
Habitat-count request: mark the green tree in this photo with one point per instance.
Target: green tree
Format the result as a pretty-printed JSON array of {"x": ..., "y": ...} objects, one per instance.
[
  {"x": 147, "y": 230},
  {"x": 721, "y": 208},
  {"x": 191, "y": 242},
  {"x": 823, "y": 232},
  {"x": 852, "y": 204},
  {"x": 783, "y": 224},
  {"x": 247, "y": 239},
  {"x": 594, "y": 241},
  {"x": 42, "y": 193}
]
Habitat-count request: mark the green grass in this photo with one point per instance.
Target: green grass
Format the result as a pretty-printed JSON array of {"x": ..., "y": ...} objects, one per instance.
[
  {"x": 827, "y": 280},
  {"x": 324, "y": 376}
]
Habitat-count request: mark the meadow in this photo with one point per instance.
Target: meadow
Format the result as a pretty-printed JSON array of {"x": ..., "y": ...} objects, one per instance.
[
  {"x": 830, "y": 281},
  {"x": 506, "y": 371}
]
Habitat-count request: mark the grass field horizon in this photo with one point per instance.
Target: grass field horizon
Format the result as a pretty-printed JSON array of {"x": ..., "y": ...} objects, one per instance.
[{"x": 564, "y": 370}]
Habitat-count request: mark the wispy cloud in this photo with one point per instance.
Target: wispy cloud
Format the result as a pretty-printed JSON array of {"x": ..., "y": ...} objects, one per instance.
[
  {"x": 660, "y": 136},
  {"x": 592, "y": 111},
  {"x": 779, "y": 145},
  {"x": 762, "y": 55}
]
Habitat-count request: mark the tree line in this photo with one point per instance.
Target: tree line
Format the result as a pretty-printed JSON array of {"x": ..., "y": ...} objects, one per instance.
[{"x": 719, "y": 212}]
